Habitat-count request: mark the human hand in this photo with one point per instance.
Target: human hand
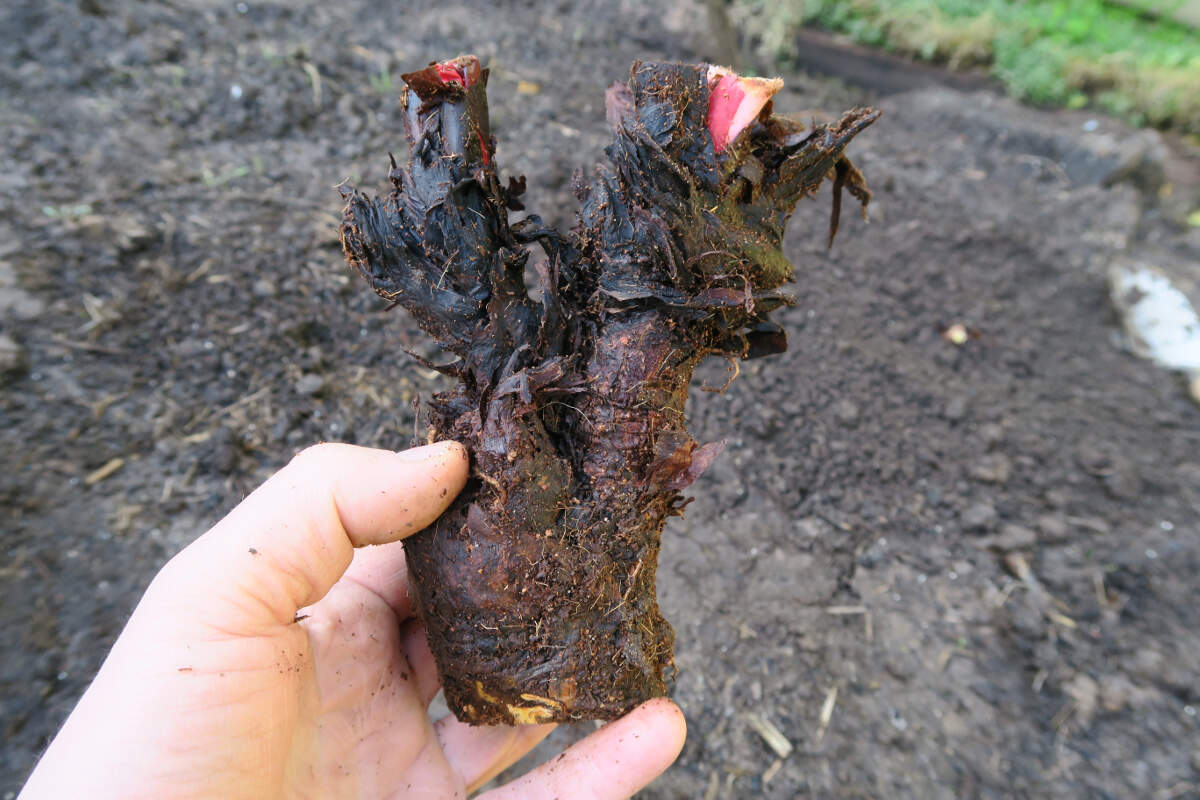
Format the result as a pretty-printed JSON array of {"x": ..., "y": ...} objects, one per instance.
[{"x": 270, "y": 659}]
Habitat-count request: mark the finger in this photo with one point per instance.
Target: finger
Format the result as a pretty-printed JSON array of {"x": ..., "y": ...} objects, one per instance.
[
  {"x": 415, "y": 646},
  {"x": 287, "y": 543},
  {"x": 610, "y": 764},
  {"x": 479, "y": 754},
  {"x": 382, "y": 569}
]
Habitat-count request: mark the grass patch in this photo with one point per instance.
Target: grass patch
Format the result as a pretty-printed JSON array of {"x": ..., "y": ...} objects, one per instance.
[{"x": 1071, "y": 53}]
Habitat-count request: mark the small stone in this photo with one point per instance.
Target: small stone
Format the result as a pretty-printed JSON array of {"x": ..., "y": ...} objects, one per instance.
[
  {"x": 1096, "y": 525},
  {"x": 812, "y": 527},
  {"x": 346, "y": 110},
  {"x": 1123, "y": 482},
  {"x": 956, "y": 725},
  {"x": 1115, "y": 692},
  {"x": 847, "y": 413},
  {"x": 956, "y": 408},
  {"x": 957, "y": 334},
  {"x": 934, "y": 496},
  {"x": 12, "y": 356},
  {"x": 992, "y": 468},
  {"x": 1057, "y": 498},
  {"x": 1145, "y": 666},
  {"x": 992, "y": 434},
  {"x": 309, "y": 384},
  {"x": 980, "y": 516},
  {"x": 1188, "y": 474},
  {"x": 1026, "y": 620},
  {"x": 15, "y": 302},
  {"x": 221, "y": 451},
  {"x": 1011, "y": 537},
  {"x": 874, "y": 554},
  {"x": 1092, "y": 458},
  {"x": 1141, "y": 159},
  {"x": 264, "y": 288},
  {"x": 129, "y": 232},
  {"x": 1053, "y": 528},
  {"x": 1084, "y": 691}
]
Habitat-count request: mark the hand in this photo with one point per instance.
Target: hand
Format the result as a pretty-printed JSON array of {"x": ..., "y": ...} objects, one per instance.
[{"x": 270, "y": 659}]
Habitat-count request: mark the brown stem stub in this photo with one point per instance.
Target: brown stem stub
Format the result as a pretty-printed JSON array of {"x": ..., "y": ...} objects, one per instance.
[{"x": 537, "y": 587}]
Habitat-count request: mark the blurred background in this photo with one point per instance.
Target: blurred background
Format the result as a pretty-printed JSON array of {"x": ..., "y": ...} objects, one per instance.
[{"x": 951, "y": 549}]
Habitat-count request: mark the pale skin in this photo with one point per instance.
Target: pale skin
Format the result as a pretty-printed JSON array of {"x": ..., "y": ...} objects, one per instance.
[{"x": 278, "y": 656}]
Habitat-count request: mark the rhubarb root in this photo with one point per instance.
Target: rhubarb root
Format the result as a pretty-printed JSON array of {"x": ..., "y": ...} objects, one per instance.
[{"x": 537, "y": 587}]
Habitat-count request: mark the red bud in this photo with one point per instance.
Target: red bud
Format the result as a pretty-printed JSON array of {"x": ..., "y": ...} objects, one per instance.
[
  {"x": 735, "y": 102},
  {"x": 449, "y": 72}
]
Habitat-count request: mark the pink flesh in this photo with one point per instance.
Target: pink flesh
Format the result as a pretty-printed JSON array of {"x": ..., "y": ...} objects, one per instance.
[
  {"x": 723, "y": 106},
  {"x": 734, "y": 104},
  {"x": 450, "y": 73}
]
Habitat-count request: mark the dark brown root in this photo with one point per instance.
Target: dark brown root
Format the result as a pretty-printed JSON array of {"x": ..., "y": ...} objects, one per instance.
[{"x": 537, "y": 587}]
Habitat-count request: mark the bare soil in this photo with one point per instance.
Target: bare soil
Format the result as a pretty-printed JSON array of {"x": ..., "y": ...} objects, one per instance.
[{"x": 988, "y": 550}]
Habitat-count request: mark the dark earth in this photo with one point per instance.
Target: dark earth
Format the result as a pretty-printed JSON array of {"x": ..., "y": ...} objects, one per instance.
[{"x": 938, "y": 569}]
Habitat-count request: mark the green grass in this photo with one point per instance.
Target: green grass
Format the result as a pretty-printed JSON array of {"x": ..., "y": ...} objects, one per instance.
[{"x": 1072, "y": 53}]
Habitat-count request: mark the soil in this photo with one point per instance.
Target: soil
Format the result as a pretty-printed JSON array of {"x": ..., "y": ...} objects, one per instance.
[{"x": 938, "y": 569}]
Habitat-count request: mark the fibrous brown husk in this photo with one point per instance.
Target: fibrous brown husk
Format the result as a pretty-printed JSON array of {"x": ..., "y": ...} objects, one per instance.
[{"x": 537, "y": 587}]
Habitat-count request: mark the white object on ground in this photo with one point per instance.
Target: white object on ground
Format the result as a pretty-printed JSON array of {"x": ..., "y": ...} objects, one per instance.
[{"x": 1160, "y": 320}]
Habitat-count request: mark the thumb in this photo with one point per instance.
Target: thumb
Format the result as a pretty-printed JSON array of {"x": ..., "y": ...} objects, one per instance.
[{"x": 286, "y": 544}]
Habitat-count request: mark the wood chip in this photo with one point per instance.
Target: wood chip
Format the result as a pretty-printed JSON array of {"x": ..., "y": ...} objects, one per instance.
[
  {"x": 100, "y": 406},
  {"x": 200, "y": 271},
  {"x": 826, "y": 712},
  {"x": 89, "y": 347},
  {"x": 314, "y": 78},
  {"x": 844, "y": 610},
  {"x": 1041, "y": 598},
  {"x": 125, "y": 515},
  {"x": 770, "y": 734},
  {"x": 103, "y": 472},
  {"x": 1061, "y": 619},
  {"x": 772, "y": 771}
]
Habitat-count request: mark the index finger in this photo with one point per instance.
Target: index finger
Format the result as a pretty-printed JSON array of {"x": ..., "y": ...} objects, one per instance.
[
  {"x": 611, "y": 764},
  {"x": 286, "y": 544}
]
